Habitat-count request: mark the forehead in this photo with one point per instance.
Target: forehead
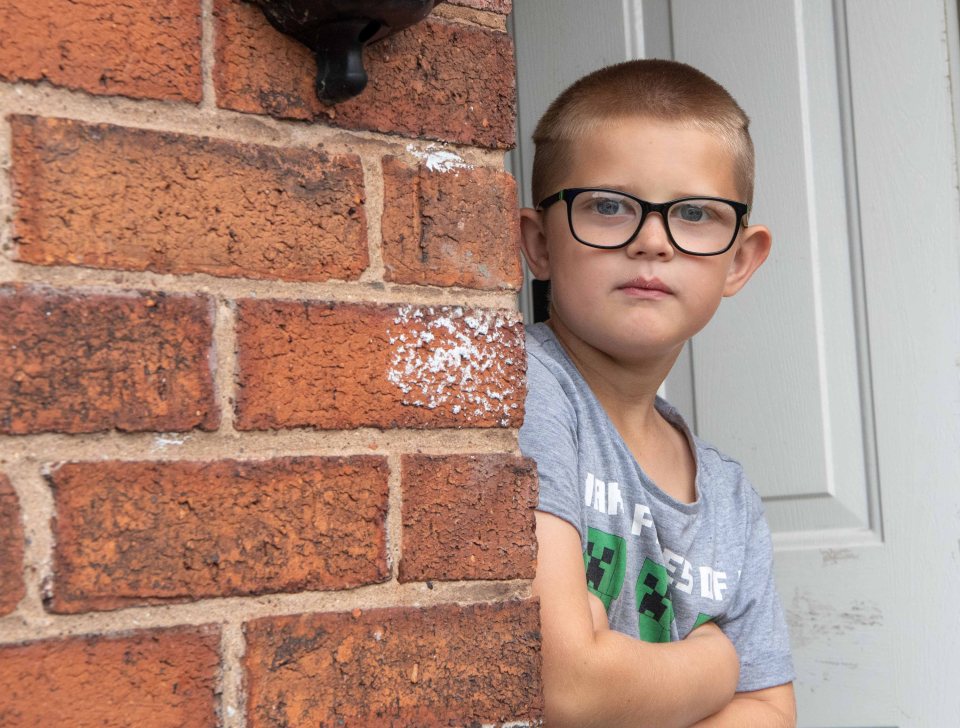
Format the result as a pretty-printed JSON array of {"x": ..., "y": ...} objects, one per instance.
[{"x": 652, "y": 158}]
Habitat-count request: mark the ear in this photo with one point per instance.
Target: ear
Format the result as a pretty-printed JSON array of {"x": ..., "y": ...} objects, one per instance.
[
  {"x": 751, "y": 251},
  {"x": 533, "y": 243}
]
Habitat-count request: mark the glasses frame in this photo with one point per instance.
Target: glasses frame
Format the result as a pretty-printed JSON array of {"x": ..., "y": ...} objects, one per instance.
[{"x": 569, "y": 193}]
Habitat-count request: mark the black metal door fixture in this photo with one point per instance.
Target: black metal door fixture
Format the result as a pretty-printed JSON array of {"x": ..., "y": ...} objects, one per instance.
[{"x": 337, "y": 30}]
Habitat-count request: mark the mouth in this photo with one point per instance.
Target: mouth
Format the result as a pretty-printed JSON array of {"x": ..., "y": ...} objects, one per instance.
[{"x": 646, "y": 288}]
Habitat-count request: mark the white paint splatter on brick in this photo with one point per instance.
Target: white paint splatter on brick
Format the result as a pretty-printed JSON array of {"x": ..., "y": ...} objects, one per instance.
[
  {"x": 438, "y": 159},
  {"x": 161, "y": 442},
  {"x": 451, "y": 359}
]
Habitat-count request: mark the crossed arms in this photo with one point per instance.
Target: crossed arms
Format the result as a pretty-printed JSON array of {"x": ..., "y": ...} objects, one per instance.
[{"x": 594, "y": 676}]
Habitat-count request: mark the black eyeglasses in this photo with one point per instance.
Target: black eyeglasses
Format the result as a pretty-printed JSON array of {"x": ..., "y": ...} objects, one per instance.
[{"x": 609, "y": 219}]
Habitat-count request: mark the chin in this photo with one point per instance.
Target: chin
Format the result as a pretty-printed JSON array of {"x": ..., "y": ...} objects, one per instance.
[{"x": 639, "y": 348}]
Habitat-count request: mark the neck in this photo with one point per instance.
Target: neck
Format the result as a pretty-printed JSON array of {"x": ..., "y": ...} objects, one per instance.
[{"x": 627, "y": 389}]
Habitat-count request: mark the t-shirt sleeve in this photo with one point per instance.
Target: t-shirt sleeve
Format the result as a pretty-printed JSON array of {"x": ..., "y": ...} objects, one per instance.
[
  {"x": 548, "y": 436},
  {"x": 755, "y": 623}
]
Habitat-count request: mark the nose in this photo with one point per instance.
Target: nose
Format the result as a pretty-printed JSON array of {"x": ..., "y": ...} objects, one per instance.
[{"x": 652, "y": 240}]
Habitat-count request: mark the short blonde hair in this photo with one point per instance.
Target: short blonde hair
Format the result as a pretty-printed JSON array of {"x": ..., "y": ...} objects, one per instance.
[{"x": 653, "y": 89}]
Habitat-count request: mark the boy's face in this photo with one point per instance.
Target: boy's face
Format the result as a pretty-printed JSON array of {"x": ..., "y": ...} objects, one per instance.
[{"x": 644, "y": 300}]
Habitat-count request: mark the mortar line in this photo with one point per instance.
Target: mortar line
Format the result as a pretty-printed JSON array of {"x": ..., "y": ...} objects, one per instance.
[
  {"x": 373, "y": 187},
  {"x": 196, "y": 445},
  {"x": 394, "y": 524},
  {"x": 7, "y": 269},
  {"x": 373, "y": 292},
  {"x": 232, "y": 693},
  {"x": 473, "y": 17},
  {"x": 45, "y": 100},
  {"x": 28, "y": 626},
  {"x": 208, "y": 97},
  {"x": 36, "y": 511},
  {"x": 225, "y": 364}
]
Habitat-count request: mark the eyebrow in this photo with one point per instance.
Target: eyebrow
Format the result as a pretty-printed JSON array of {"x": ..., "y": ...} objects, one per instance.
[
  {"x": 618, "y": 188},
  {"x": 677, "y": 196}
]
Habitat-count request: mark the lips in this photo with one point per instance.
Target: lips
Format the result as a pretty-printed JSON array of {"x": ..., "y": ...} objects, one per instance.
[{"x": 648, "y": 286}]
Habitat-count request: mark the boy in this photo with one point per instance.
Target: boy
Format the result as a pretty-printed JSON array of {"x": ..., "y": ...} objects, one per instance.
[{"x": 643, "y": 177}]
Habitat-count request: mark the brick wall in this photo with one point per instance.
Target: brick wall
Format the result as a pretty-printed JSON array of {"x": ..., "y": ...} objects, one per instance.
[{"x": 261, "y": 372}]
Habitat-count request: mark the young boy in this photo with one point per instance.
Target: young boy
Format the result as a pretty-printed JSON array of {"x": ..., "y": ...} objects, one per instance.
[{"x": 643, "y": 177}]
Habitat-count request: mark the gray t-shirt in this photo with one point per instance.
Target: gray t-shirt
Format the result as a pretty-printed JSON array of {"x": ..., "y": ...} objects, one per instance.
[{"x": 661, "y": 567}]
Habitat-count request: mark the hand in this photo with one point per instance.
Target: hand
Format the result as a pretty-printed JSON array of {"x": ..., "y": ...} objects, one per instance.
[
  {"x": 726, "y": 651},
  {"x": 706, "y": 629}
]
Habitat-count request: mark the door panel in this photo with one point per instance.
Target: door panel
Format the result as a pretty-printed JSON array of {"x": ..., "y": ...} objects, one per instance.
[
  {"x": 791, "y": 407},
  {"x": 834, "y": 375}
]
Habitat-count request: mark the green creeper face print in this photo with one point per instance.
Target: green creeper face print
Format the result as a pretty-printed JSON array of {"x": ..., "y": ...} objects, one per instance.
[
  {"x": 654, "y": 606},
  {"x": 605, "y": 561}
]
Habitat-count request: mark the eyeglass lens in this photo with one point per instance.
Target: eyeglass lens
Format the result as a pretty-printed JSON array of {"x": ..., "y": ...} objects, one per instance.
[{"x": 606, "y": 219}]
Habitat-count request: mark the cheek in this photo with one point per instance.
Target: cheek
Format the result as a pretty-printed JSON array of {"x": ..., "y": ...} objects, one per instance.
[
  {"x": 705, "y": 296},
  {"x": 570, "y": 269},
  {"x": 567, "y": 292},
  {"x": 706, "y": 307},
  {"x": 711, "y": 275},
  {"x": 576, "y": 294}
]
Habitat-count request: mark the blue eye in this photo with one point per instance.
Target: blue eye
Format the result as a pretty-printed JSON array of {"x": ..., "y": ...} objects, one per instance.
[
  {"x": 603, "y": 208},
  {"x": 690, "y": 213},
  {"x": 607, "y": 206}
]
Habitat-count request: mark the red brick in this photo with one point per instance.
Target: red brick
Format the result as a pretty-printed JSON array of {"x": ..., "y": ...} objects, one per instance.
[
  {"x": 342, "y": 366},
  {"x": 159, "y": 678},
  {"x": 145, "y": 532},
  {"x": 139, "y": 48},
  {"x": 436, "y": 79},
  {"x": 453, "y": 225},
  {"x": 440, "y": 666},
  {"x": 468, "y": 517},
  {"x": 11, "y": 548},
  {"x": 112, "y": 197},
  {"x": 84, "y": 362},
  {"x": 497, "y": 6}
]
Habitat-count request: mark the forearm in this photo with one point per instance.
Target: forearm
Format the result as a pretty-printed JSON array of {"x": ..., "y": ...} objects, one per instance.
[
  {"x": 771, "y": 708},
  {"x": 623, "y": 681},
  {"x": 593, "y": 676}
]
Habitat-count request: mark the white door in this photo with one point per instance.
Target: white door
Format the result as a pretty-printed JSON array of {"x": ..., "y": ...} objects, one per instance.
[{"x": 835, "y": 376}]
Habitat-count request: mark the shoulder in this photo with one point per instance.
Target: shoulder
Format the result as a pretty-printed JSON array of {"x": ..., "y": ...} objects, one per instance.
[
  {"x": 721, "y": 465},
  {"x": 549, "y": 375},
  {"x": 542, "y": 346},
  {"x": 551, "y": 395},
  {"x": 720, "y": 478},
  {"x": 549, "y": 432},
  {"x": 723, "y": 478}
]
